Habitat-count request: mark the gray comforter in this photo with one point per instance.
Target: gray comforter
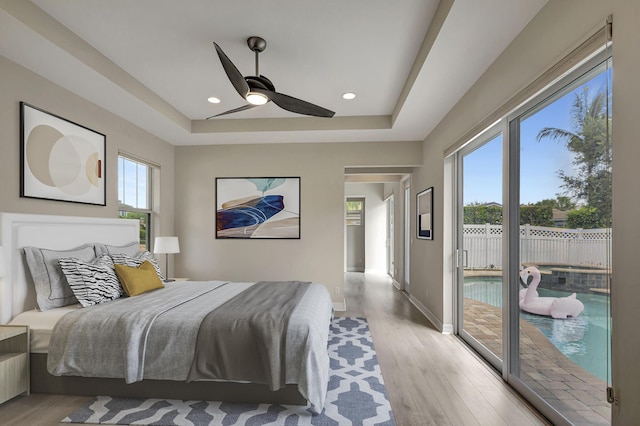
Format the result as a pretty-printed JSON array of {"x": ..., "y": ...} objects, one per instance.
[
  {"x": 153, "y": 336},
  {"x": 245, "y": 339}
]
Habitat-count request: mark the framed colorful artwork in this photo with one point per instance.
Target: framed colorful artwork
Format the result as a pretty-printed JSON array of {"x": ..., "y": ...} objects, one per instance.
[{"x": 258, "y": 208}]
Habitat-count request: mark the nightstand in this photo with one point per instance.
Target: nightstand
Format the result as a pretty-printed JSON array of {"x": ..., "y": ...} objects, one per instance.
[{"x": 14, "y": 361}]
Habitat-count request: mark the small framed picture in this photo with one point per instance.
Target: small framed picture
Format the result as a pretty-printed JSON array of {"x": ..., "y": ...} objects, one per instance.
[{"x": 425, "y": 214}]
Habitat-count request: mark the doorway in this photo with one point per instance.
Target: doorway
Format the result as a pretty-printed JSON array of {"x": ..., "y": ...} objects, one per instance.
[{"x": 355, "y": 221}]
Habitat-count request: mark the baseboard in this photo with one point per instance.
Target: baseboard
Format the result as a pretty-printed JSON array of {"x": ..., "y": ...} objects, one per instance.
[
  {"x": 443, "y": 328},
  {"x": 396, "y": 284},
  {"x": 340, "y": 306}
]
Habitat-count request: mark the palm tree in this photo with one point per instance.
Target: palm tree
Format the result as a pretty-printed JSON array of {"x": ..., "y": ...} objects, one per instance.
[{"x": 589, "y": 142}]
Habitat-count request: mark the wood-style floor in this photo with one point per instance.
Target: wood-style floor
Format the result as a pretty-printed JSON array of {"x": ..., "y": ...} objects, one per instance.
[{"x": 431, "y": 378}]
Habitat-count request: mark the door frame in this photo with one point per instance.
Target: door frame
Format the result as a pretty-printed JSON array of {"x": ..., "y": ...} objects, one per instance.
[
  {"x": 406, "y": 276},
  {"x": 390, "y": 240}
]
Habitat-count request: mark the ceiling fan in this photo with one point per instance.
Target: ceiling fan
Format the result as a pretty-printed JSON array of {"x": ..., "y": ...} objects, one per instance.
[{"x": 258, "y": 89}]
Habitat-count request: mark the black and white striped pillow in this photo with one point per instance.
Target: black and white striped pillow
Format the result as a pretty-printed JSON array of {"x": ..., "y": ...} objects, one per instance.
[
  {"x": 136, "y": 261},
  {"x": 92, "y": 282}
]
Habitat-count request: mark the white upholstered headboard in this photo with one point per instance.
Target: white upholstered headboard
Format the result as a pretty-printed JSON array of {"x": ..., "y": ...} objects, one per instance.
[{"x": 17, "y": 230}]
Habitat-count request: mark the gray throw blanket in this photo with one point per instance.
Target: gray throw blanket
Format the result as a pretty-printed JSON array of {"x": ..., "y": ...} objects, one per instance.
[{"x": 245, "y": 338}]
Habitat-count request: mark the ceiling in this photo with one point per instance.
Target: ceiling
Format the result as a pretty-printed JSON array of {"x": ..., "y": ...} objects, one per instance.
[{"x": 152, "y": 62}]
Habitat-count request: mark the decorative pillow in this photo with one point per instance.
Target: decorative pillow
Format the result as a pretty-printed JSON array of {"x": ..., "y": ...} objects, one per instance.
[
  {"x": 52, "y": 288},
  {"x": 132, "y": 249},
  {"x": 92, "y": 282},
  {"x": 138, "y": 280},
  {"x": 136, "y": 261}
]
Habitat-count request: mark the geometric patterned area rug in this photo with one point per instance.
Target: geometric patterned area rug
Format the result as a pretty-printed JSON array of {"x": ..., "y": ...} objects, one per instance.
[{"x": 356, "y": 395}]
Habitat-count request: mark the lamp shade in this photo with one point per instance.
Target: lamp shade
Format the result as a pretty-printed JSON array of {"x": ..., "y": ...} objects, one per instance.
[{"x": 166, "y": 245}]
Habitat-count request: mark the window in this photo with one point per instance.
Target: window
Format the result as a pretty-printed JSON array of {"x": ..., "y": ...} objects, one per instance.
[
  {"x": 354, "y": 213},
  {"x": 134, "y": 195}
]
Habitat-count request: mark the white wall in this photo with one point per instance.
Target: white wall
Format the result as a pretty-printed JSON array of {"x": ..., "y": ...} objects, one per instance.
[
  {"x": 557, "y": 29},
  {"x": 375, "y": 224},
  {"x": 319, "y": 254}
]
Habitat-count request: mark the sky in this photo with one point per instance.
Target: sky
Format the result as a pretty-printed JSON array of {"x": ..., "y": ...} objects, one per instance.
[
  {"x": 540, "y": 161},
  {"x": 132, "y": 183}
]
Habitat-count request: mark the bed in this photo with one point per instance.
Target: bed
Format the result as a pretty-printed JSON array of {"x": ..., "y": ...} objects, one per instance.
[{"x": 156, "y": 356}]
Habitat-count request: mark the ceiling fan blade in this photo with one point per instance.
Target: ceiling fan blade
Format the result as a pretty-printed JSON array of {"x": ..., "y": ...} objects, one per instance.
[
  {"x": 231, "y": 111},
  {"x": 234, "y": 75},
  {"x": 295, "y": 105}
]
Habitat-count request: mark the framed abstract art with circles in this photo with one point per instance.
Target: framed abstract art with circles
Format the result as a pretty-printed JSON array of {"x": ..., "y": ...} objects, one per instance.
[{"x": 60, "y": 160}]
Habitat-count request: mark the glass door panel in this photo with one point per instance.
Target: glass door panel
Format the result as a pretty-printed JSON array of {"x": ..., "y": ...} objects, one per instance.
[
  {"x": 564, "y": 244},
  {"x": 480, "y": 280}
]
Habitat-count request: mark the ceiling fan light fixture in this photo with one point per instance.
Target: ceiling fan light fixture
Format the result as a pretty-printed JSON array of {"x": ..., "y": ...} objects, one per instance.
[
  {"x": 256, "y": 98},
  {"x": 258, "y": 90}
]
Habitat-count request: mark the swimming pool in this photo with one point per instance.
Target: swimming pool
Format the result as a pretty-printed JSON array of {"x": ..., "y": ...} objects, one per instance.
[{"x": 584, "y": 340}]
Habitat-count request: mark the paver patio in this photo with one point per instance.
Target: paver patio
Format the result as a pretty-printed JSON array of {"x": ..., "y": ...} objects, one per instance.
[{"x": 577, "y": 394}]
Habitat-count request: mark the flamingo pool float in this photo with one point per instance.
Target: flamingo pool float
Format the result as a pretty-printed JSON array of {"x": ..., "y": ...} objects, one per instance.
[{"x": 555, "y": 307}]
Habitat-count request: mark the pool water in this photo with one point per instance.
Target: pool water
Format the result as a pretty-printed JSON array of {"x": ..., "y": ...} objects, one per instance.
[{"x": 584, "y": 340}]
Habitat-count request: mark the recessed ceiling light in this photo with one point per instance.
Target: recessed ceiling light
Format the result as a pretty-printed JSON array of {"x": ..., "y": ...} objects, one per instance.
[
  {"x": 214, "y": 100},
  {"x": 348, "y": 95}
]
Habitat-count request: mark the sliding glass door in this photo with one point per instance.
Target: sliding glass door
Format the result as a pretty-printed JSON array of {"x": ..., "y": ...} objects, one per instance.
[
  {"x": 534, "y": 263},
  {"x": 479, "y": 254}
]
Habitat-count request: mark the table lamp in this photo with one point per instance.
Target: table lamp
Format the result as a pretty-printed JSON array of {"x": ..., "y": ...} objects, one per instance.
[{"x": 166, "y": 246}]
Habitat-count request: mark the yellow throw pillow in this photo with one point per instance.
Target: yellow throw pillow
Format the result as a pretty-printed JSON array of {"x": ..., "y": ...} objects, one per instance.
[{"x": 138, "y": 280}]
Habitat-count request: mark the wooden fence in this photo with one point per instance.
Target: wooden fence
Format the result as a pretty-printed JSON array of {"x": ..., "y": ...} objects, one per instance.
[{"x": 589, "y": 247}]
